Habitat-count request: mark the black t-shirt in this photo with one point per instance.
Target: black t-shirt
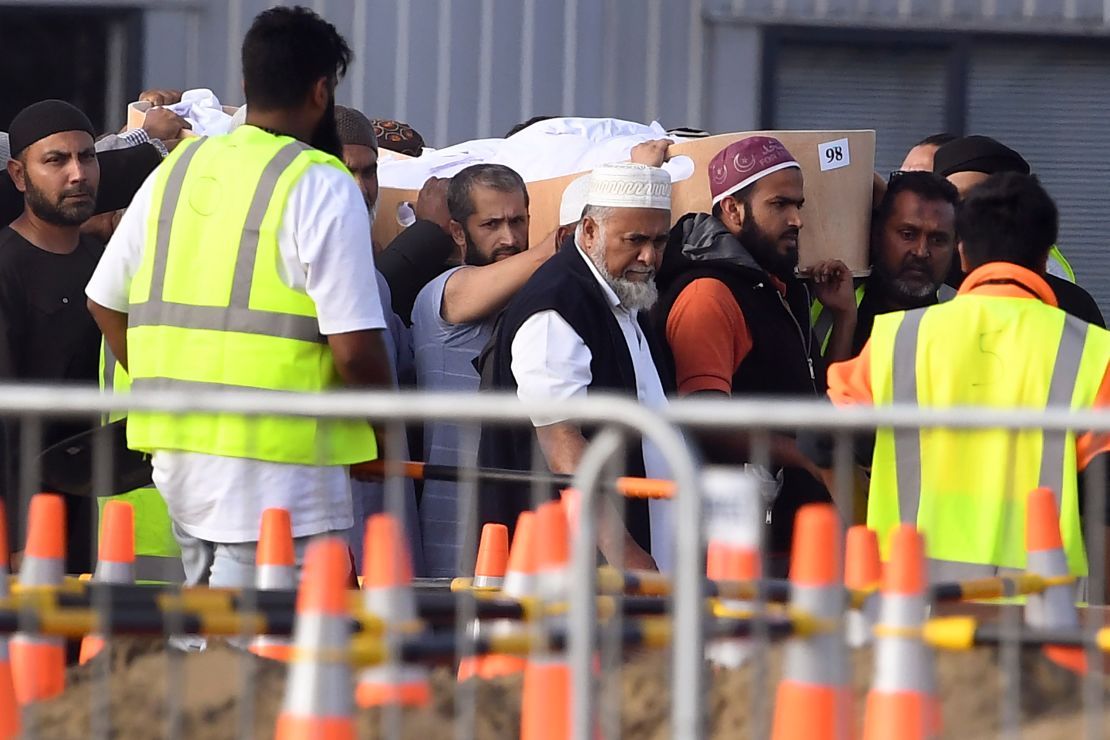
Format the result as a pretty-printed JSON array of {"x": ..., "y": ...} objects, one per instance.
[
  {"x": 47, "y": 335},
  {"x": 871, "y": 306},
  {"x": 1070, "y": 297},
  {"x": 46, "y": 331},
  {"x": 1075, "y": 300}
]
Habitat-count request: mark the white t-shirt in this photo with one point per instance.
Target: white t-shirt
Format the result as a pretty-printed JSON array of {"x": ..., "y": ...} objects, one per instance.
[
  {"x": 550, "y": 361},
  {"x": 325, "y": 249}
]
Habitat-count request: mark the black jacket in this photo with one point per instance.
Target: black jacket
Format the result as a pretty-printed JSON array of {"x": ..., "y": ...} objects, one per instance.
[
  {"x": 566, "y": 285},
  {"x": 784, "y": 359}
]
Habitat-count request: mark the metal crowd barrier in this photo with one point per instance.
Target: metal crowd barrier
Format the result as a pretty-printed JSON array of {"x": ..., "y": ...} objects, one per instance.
[{"x": 617, "y": 419}]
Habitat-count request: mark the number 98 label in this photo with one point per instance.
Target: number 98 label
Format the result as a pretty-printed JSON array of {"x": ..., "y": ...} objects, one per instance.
[{"x": 834, "y": 154}]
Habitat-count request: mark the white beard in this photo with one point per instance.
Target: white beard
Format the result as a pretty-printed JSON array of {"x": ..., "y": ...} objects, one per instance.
[
  {"x": 918, "y": 291},
  {"x": 634, "y": 295}
]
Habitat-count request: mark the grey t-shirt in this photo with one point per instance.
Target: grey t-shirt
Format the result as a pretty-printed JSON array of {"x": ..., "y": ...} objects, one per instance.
[{"x": 445, "y": 355}]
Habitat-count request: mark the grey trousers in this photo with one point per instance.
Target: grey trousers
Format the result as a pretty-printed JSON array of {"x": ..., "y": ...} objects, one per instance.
[{"x": 222, "y": 565}]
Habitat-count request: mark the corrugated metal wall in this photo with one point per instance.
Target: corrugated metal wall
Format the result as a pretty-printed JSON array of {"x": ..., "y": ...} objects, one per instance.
[
  {"x": 1037, "y": 15},
  {"x": 840, "y": 87},
  {"x": 1051, "y": 102},
  {"x": 461, "y": 69}
]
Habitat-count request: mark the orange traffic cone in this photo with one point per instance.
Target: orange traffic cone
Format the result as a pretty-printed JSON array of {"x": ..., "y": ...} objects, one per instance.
[
  {"x": 552, "y": 551},
  {"x": 317, "y": 702},
  {"x": 545, "y": 702},
  {"x": 493, "y": 556},
  {"x": 275, "y": 569},
  {"x": 903, "y": 700},
  {"x": 1055, "y": 607},
  {"x": 115, "y": 562},
  {"x": 38, "y": 663},
  {"x": 387, "y": 593},
  {"x": 814, "y": 701},
  {"x": 520, "y": 575},
  {"x": 727, "y": 561},
  {"x": 545, "y": 698},
  {"x": 733, "y": 504},
  {"x": 863, "y": 571},
  {"x": 9, "y": 707},
  {"x": 489, "y": 573}
]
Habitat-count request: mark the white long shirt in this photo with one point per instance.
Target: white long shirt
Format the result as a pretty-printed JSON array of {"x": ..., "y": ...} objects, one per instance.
[
  {"x": 325, "y": 250},
  {"x": 551, "y": 361}
]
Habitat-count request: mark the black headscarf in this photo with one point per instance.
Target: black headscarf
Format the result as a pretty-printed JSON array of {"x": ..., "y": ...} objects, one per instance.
[{"x": 977, "y": 154}]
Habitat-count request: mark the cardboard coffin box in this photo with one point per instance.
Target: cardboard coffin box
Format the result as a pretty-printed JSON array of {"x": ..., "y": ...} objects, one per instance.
[{"x": 838, "y": 167}]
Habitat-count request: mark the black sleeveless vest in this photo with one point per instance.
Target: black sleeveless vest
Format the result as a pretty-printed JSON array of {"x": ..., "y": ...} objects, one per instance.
[
  {"x": 784, "y": 359},
  {"x": 566, "y": 285}
]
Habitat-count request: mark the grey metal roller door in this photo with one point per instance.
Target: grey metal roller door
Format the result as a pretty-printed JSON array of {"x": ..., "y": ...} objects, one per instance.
[
  {"x": 846, "y": 87},
  {"x": 1051, "y": 102}
]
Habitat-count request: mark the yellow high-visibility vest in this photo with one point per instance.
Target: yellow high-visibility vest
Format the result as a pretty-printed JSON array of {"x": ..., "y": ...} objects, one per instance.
[
  {"x": 966, "y": 489},
  {"x": 822, "y": 322},
  {"x": 157, "y": 554},
  {"x": 821, "y": 318},
  {"x": 208, "y": 308},
  {"x": 1058, "y": 264}
]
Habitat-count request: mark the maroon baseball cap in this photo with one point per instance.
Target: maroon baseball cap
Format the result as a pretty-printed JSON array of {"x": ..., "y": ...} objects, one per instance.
[{"x": 743, "y": 162}]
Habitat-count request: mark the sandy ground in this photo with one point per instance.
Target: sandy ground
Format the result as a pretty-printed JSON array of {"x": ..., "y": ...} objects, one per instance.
[{"x": 214, "y": 703}]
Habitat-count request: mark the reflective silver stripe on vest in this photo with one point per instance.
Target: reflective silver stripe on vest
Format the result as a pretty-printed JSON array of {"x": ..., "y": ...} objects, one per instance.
[
  {"x": 158, "y": 568},
  {"x": 1065, "y": 374},
  {"x": 822, "y": 327},
  {"x": 173, "y": 384},
  {"x": 238, "y": 316},
  {"x": 170, "y": 196},
  {"x": 907, "y": 442},
  {"x": 109, "y": 368},
  {"x": 233, "y": 318}
]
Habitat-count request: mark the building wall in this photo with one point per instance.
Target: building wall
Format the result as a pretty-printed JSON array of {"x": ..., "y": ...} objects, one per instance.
[
  {"x": 474, "y": 68},
  {"x": 1046, "y": 97},
  {"x": 462, "y": 69}
]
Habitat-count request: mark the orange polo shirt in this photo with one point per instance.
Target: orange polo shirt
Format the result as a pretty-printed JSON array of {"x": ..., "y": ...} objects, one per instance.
[
  {"x": 850, "y": 381},
  {"x": 709, "y": 336}
]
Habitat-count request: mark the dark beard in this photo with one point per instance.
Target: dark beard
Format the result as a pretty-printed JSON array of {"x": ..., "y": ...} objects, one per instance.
[
  {"x": 473, "y": 256},
  {"x": 765, "y": 249},
  {"x": 326, "y": 136},
  {"x": 60, "y": 213}
]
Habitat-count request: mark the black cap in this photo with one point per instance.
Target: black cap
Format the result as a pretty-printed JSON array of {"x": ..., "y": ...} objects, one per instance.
[
  {"x": 45, "y": 118},
  {"x": 977, "y": 154}
]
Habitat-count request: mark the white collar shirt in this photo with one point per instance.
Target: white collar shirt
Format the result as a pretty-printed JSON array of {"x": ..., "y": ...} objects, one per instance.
[{"x": 550, "y": 361}]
